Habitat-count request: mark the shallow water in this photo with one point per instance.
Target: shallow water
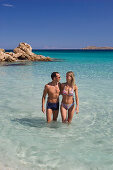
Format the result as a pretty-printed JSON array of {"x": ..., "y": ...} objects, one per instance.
[{"x": 28, "y": 142}]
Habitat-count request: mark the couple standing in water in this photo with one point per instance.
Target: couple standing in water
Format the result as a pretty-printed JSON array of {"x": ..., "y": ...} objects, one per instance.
[{"x": 67, "y": 90}]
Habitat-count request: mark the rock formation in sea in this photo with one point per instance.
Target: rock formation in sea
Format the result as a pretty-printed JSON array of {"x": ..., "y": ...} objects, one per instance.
[
  {"x": 22, "y": 53},
  {"x": 97, "y": 48}
]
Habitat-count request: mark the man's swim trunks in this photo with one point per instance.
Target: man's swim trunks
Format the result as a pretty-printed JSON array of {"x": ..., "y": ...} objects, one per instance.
[{"x": 53, "y": 106}]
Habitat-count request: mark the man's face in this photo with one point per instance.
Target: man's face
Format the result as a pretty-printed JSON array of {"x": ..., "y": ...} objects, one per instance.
[{"x": 57, "y": 78}]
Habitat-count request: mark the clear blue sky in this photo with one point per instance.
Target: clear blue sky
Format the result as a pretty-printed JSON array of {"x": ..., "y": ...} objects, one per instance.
[{"x": 56, "y": 23}]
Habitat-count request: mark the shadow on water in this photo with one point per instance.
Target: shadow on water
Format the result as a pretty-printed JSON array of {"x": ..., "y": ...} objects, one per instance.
[
  {"x": 15, "y": 64},
  {"x": 58, "y": 60},
  {"x": 32, "y": 122},
  {"x": 27, "y": 63},
  {"x": 37, "y": 122}
]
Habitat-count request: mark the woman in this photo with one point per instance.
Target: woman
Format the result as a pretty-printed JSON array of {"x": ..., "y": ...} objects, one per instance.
[{"x": 67, "y": 105}]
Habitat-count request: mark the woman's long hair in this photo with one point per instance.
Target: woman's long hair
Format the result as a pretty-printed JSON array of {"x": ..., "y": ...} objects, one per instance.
[{"x": 73, "y": 77}]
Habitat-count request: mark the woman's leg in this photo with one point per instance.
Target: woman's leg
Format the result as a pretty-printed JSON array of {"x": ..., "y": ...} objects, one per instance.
[
  {"x": 71, "y": 113},
  {"x": 63, "y": 114}
]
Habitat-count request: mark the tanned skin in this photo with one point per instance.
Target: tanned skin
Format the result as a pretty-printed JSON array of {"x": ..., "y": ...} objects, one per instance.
[{"x": 51, "y": 89}]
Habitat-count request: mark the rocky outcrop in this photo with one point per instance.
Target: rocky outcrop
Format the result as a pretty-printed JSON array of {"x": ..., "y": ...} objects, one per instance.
[
  {"x": 21, "y": 53},
  {"x": 2, "y": 50},
  {"x": 97, "y": 48}
]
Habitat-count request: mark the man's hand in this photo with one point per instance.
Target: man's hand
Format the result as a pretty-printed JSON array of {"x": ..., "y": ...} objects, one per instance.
[{"x": 43, "y": 110}]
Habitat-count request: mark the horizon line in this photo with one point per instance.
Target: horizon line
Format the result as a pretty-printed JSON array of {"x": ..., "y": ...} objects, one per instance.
[{"x": 62, "y": 49}]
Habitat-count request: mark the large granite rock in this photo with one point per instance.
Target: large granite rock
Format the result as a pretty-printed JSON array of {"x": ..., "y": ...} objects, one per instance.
[
  {"x": 2, "y": 50},
  {"x": 21, "y": 53},
  {"x": 6, "y": 57}
]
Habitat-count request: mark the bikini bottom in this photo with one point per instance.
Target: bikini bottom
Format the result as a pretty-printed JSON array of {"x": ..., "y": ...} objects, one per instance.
[{"x": 67, "y": 106}]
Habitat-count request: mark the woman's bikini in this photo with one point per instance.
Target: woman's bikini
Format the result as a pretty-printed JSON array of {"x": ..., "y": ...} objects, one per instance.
[{"x": 71, "y": 93}]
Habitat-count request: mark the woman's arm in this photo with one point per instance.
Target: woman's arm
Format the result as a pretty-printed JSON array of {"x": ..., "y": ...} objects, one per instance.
[{"x": 77, "y": 99}]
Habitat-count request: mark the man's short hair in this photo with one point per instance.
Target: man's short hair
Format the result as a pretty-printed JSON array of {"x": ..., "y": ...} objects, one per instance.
[{"x": 54, "y": 75}]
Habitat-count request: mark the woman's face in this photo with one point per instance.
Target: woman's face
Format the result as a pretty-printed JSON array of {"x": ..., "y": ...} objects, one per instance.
[{"x": 68, "y": 77}]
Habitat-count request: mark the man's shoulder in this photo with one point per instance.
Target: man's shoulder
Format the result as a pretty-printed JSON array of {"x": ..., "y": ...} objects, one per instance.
[
  {"x": 63, "y": 84},
  {"x": 47, "y": 85}
]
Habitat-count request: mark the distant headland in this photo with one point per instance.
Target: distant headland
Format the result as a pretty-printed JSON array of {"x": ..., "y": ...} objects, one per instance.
[
  {"x": 22, "y": 53},
  {"x": 97, "y": 48}
]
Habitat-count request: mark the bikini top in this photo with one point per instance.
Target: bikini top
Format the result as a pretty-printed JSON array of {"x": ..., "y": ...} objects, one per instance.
[{"x": 69, "y": 93}]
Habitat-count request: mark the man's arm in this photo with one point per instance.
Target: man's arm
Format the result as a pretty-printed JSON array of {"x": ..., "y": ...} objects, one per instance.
[
  {"x": 43, "y": 98},
  {"x": 61, "y": 87}
]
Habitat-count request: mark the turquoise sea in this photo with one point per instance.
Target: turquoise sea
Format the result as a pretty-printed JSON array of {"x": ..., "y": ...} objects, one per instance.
[{"x": 27, "y": 142}]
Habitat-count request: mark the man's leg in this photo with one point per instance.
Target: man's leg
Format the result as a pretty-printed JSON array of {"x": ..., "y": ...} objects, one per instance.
[
  {"x": 55, "y": 115},
  {"x": 48, "y": 115}
]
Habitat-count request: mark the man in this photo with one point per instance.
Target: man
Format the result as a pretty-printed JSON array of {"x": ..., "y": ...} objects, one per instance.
[{"x": 52, "y": 89}]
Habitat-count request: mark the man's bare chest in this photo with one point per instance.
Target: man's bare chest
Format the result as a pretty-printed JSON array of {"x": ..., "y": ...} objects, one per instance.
[{"x": 53, "y": 90}]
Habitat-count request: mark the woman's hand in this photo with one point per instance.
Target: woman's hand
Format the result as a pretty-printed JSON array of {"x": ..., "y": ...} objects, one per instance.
[{"x": 77, "y": 110}]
